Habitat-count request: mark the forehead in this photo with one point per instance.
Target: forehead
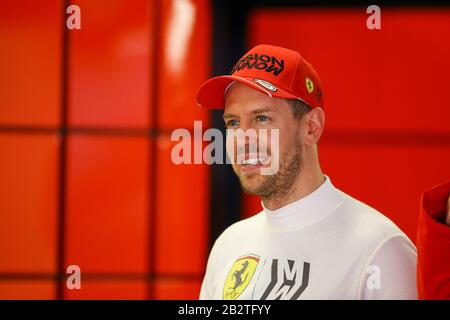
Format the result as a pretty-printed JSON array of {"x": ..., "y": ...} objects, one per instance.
[{"x": 241, "y": 98}]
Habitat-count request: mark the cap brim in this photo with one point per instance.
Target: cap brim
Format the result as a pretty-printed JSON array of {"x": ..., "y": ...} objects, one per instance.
[{"x": 212, "y": 93}]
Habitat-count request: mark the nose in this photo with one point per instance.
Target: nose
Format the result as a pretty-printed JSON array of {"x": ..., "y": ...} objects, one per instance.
[{"x": 244, "y": 141}]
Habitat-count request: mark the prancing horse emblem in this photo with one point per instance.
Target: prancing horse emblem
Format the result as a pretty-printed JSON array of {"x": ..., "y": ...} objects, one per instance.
[{"x": 239, "y": 276}]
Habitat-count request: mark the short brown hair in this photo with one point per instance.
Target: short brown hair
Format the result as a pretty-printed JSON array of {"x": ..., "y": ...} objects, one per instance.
[{"x": 299, "y": 108}]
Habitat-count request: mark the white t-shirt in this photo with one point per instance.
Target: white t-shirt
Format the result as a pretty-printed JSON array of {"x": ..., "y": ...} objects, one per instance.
[{"x": 326, "y": 245}]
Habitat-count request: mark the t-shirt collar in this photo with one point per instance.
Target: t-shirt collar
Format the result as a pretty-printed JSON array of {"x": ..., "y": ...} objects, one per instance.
[{"x": 307, "y": 210}]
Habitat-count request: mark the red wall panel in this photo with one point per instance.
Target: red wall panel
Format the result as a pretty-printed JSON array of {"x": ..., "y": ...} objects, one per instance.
[
  {"x": 177, "y": 289},
  {"x": 28, "y": 203},
  {"x": 184, "y": 62},
  {"x": 182, "y": 213},
  {"x": 182, "y": 194},
  {"x": 107, "y": 204},
  {"x": 109, "y": 65},
  {"x": 108, "y": 290},
  {"x": 26, "y": 290},
  {"x": 30, "y": 62}
]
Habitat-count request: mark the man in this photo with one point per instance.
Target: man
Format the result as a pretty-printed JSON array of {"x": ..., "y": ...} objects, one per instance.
[{"x": 311, "y": 241}]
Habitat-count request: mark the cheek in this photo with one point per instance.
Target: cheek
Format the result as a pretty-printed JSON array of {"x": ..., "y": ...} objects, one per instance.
[
  {"x": 284, "y": 147},
  {"x": 230, "y": 146},
  {"x": 233, "y": 144},
  {"x": 279, "y": 139}
]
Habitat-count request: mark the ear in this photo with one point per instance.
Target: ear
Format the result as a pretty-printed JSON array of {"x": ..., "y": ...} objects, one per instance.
[{"x": 314, "y": 125}]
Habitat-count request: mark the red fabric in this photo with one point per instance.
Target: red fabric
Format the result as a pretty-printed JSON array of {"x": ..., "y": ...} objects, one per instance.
[{"x": 433, "y": 245}]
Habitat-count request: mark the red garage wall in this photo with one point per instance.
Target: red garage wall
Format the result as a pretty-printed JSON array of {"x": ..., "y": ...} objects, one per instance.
[
  {"x": 387, "y": 132},
  {"x": 85, "y": 171}
]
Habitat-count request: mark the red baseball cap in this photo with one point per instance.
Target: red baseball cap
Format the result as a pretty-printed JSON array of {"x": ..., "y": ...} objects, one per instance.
[{"x": 276, "y": 71}]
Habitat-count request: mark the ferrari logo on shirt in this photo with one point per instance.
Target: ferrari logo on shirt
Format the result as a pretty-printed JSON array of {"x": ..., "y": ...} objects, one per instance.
[{"x": 239, "y": 276}]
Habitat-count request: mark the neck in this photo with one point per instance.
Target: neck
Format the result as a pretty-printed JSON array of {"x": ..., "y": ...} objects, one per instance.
[{"x": 308, "y": 180}]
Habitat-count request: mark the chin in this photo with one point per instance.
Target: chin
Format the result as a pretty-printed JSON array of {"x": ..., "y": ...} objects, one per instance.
[{"x": 251, "y": 185}]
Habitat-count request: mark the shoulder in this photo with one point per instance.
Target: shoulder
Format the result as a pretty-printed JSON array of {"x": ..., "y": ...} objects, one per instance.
[
  {"x": 242, "y": 228},
  {"x": 366, "y": 224}
]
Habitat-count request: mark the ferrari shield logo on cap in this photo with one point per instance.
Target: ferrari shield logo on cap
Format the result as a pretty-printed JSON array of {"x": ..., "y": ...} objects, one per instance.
[
  {"x": 309, "y": 85},
  {"x": 239, "y": 276},
  {"x": 266, "y": 84}
]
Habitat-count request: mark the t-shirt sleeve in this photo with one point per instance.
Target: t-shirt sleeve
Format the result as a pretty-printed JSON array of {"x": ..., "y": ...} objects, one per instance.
[
  {"x": 433, "y": 245},
  {"x": 207, "y": 288},
  {"x": 391, "y": 271}
]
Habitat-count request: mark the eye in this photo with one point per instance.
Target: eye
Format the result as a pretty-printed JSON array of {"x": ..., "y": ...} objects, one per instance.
[
  {"x": 262, "y": 118},
  {"x": 232, "y": 123}
]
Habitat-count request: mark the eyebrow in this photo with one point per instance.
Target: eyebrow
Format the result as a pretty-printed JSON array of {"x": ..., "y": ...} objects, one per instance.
[
  {"x": 261, "y": 110},
  {"x": 229, "y": 115},
  {"x": 256, "y": 111}
]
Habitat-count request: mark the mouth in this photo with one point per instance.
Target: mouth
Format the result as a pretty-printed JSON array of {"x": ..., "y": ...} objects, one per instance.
[{"x": 253, "y": 163}]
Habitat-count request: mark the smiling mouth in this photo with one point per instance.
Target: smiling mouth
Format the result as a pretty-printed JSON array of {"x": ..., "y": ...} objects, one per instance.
[{"x": 254, "y": 161}]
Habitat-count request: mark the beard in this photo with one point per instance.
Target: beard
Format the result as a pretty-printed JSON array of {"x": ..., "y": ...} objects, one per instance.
[{"x": 279, "y": 185}]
